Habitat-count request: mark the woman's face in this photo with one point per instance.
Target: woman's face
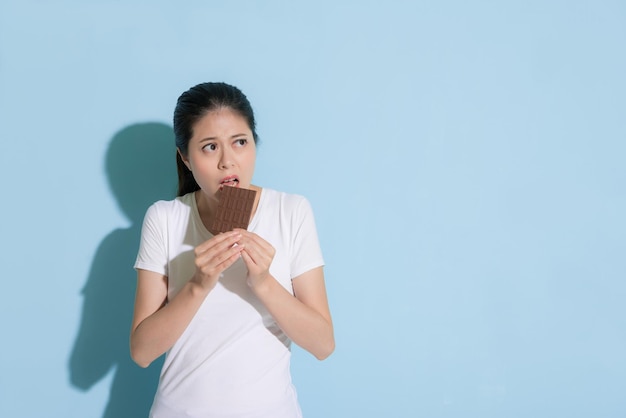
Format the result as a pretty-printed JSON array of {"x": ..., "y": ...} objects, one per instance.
[{"x": 221, "y": 152}]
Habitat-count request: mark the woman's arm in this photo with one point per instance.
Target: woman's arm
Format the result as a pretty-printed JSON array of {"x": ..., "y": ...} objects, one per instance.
[
  {"x": 158, "y": 323},
  {"x": 305, "y": 316}
]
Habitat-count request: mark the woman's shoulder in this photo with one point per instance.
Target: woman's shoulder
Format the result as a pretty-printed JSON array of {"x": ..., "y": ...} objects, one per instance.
[
  {"x": 171, "y": 207},
  {"x": 284, "y": 198},
  {"x": 286, "y": 204}
]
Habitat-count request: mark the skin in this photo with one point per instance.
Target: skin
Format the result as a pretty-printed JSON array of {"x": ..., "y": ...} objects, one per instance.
[{"x": 222, "y": 147}]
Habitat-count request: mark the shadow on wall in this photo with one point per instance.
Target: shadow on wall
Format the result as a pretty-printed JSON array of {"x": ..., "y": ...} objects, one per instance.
[{"x": 141, "y": 169}]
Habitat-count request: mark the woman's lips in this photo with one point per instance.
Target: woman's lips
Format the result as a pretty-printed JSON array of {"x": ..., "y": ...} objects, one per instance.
[{"x": 231, "y": 181}]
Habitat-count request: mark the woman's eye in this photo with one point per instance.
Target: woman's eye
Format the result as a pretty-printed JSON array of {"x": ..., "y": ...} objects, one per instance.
[
  {"x": 241, "y": 142},
  {"x": 209, "y": 147}
]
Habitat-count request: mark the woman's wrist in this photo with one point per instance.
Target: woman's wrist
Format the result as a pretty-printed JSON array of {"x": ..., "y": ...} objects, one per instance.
[
  {"x": 262, "y": 287},
  {"x": 199, "y": 289}
]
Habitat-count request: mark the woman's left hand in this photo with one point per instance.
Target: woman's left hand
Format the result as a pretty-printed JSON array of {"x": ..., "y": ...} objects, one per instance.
[{"x": 257, "y": 255}]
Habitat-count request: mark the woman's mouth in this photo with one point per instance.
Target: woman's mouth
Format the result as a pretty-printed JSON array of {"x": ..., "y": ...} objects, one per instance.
[{"x": 231, "y": 181}]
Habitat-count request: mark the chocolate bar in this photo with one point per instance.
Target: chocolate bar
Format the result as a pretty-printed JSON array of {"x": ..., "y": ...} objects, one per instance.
[{"x": 233, "y": 210}]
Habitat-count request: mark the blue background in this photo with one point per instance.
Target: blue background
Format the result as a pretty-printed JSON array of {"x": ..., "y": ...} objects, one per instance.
[{"x": 465, "y": 161}]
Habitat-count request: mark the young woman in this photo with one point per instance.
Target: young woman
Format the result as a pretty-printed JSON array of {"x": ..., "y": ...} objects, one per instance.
[{"x": 226, "y": 308}]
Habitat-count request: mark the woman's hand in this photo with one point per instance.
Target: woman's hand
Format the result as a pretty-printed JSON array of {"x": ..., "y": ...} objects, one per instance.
[
  {"x": 214, "y": 256},
  {"x": 257, "y": 254},
  {"x": 303, "y": 316}
]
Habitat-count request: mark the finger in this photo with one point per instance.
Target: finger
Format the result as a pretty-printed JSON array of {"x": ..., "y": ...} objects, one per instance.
[
  {"x": 204, "y": 254},
  {"x": 220, "y": 261},
  {"x": 219, "y": 253},
  {"x": 251, "y": 264},
  {"x": 247, "y": 259},
  {"x": 252, "y": 239},
  {"x": 230, "y": 260},
  {"x": 258, "y": 256},
  {"x": 227, "y": 237}
]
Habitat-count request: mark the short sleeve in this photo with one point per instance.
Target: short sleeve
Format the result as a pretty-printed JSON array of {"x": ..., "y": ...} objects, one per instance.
[
  {"x": 306, "y": 253},
  {"x": 152, "y": 253}
]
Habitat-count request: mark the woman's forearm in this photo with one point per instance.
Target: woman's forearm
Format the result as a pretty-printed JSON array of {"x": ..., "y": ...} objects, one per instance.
[
  {"x": 304, "y": 325},
  {"x": 158, "y": 332}
]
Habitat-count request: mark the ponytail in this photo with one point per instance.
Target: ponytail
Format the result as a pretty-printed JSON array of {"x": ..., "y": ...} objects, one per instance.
[{"x": 186, "y": 182}]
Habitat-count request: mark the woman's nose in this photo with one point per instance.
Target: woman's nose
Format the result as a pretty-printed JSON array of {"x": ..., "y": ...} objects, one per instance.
[{"x": 226, "y": 160}]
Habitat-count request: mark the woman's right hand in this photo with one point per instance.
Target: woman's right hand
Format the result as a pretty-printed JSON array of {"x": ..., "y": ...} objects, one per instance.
[{"x": 214, "y": 256}]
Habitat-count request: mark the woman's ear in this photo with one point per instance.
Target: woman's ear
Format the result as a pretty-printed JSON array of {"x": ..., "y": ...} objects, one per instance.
[{"x": 184, "y": 159}]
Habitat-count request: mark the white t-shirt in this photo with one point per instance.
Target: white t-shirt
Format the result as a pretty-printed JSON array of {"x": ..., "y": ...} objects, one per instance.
[{"x": 233, "y": 359}]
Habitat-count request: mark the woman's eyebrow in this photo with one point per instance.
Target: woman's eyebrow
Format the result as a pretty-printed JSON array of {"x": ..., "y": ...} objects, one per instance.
[{"x": 214, "y": 138}]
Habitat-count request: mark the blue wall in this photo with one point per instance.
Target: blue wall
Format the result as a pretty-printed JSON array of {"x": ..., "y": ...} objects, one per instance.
[{"x": 465, "y": 161}]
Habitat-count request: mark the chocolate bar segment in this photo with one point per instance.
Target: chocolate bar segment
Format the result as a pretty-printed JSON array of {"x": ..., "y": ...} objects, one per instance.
[{"x": 234, "y": 209}]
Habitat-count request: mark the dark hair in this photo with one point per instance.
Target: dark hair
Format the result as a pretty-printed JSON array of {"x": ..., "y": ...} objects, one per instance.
[{"x": 192, "y": 105}]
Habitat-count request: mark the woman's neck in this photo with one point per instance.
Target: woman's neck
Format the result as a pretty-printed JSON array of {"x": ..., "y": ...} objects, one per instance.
[{"x": 206, "y": 208}]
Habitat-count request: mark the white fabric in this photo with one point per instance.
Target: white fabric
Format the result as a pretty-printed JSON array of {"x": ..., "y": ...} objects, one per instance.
[{"x": 233, "y": 359}]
